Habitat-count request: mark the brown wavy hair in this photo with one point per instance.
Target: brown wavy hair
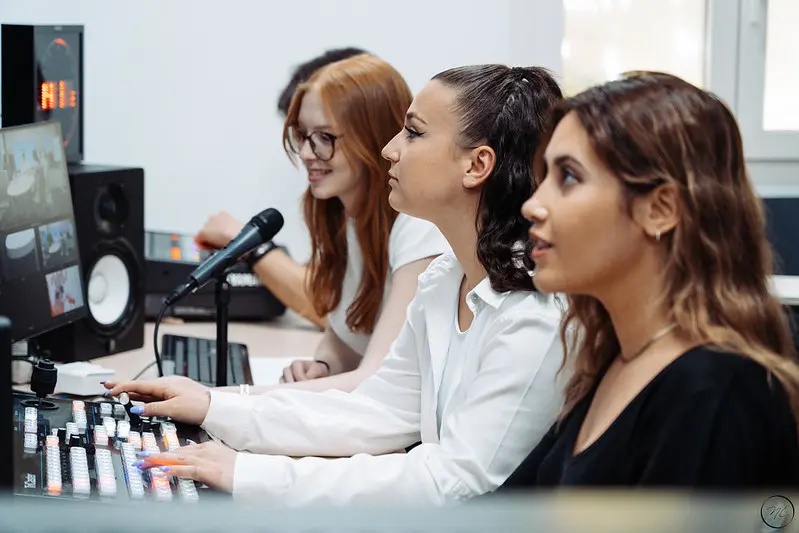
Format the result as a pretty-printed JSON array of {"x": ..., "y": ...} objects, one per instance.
[
  {"x": 650, "y": 129},
  {"x": 366, "y": 99}
]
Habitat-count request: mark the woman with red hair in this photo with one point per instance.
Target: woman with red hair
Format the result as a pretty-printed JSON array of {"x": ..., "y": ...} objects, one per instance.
[
  {"x": 365, "y": 257},
  {"x": 283, "y": 276}
]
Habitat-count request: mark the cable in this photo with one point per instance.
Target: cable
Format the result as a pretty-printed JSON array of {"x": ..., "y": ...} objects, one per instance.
[
  {"x": 24, "y": 359},
  {"x": 155, "y": 340},
  {"x": 145, "y": 369}
]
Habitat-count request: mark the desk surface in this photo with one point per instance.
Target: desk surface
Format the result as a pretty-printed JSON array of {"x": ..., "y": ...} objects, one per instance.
[{"x": 290, "y": 336}]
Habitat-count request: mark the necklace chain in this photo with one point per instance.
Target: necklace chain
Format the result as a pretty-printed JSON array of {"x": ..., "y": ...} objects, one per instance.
[{"x": 649, "y": 343}]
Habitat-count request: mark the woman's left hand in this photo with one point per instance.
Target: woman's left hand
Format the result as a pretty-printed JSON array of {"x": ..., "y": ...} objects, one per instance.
[{"x": 210, "y": 463}]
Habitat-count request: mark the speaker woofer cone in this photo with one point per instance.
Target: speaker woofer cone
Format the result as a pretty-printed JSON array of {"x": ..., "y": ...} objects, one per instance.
[{"x": 110, "y": 291}]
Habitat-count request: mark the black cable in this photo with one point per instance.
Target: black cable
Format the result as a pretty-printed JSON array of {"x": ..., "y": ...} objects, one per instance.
[
  {"x": 145, "y": 369},
  {"x": 155, "y": 341},
  {"x": 24, "y": 359}
]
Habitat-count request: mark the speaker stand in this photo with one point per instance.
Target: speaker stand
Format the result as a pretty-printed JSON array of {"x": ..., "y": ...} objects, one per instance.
[{"x": 222, "y": 297}]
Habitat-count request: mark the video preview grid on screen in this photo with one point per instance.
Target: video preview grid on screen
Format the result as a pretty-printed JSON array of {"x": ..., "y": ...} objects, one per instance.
[{"x": 39, "y": 263}]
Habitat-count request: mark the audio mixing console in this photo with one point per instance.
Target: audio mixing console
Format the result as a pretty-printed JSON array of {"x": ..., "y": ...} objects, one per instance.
[{"x": 87, "y": 450}]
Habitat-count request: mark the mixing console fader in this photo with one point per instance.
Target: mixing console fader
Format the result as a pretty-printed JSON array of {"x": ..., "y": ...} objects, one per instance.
[{"x": 87, "y": 450}]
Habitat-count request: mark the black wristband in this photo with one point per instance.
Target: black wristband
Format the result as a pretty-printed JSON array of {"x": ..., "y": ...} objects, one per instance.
[{"x": 260, "y": 252}]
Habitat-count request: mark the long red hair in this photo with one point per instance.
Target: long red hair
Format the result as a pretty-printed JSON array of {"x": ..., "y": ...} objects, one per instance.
[{"x": 367, "y": 99}]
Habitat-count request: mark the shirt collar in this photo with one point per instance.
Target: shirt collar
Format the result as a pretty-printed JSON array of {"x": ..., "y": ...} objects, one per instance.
[
  {"x": 446, "y": 270},
  {"x": 483, "y": 292}
]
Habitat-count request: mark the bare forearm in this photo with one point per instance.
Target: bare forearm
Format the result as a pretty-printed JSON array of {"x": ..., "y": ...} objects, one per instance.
[
  {"x": 338, "y": 356},
  {"x": 285, "y": 278}
]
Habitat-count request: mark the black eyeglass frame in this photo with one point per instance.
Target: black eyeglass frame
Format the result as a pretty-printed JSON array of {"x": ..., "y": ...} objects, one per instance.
[{"x": 296, "y": 144}]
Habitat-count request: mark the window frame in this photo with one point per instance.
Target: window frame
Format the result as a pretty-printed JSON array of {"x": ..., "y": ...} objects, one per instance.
[{"x": 761, "y": 145}]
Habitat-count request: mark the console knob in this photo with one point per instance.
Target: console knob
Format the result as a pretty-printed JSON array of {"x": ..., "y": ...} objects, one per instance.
[{"x": 124, "y": 399}]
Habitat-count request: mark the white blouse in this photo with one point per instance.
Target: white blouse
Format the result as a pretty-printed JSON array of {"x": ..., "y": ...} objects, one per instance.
[
  {"x": 341, "y": 448},
  {"x": 453, "y": 366}
]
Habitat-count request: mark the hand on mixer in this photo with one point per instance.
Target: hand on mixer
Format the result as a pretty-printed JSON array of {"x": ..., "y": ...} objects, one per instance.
[
  {"x": 210, "y": 463},
  {"x": 177, "y": 397}
]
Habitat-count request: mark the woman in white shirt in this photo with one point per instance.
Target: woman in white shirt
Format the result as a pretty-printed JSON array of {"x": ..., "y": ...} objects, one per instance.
[
  {"x": 337, "y": 123},
  {"x": 473, "y": 374}
]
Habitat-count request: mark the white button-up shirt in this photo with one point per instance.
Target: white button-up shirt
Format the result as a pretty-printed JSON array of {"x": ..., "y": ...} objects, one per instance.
[{"x": 341, "y": 448}]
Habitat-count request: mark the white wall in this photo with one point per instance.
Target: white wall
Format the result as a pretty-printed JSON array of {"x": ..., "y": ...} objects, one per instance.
[{"x": 187, "y": 89}]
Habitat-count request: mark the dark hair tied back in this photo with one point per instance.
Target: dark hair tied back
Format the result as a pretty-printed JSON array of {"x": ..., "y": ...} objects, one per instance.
[{"x": 507, "y": 109}]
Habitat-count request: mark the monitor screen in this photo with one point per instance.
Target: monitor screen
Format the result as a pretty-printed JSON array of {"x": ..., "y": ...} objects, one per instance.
[{"x": 41, "y": 285}]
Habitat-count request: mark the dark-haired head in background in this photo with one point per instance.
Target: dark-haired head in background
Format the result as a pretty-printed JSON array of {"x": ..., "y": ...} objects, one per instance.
[{"x": 304, "y": 71}]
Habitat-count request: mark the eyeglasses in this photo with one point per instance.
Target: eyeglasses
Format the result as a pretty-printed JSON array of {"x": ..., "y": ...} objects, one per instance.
[{"x": 323, "y": 144}]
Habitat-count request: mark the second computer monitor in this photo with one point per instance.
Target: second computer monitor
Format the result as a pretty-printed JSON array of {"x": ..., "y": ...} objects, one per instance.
[{"x": 41, "y": 284}]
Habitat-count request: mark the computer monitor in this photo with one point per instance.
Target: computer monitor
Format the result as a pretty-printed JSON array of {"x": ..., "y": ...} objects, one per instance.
[{"x": 41, "y": 285}]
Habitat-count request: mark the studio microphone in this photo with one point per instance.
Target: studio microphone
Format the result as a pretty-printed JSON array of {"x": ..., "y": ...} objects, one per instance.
[{"x": 260, "y": 229}]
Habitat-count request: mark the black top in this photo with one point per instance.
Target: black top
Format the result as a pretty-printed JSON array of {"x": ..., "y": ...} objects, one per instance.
[{"x": 708, "y": 420}]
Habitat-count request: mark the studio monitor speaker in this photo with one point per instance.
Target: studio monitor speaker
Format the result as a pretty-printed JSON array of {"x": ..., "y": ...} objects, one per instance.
[{"x": 109, "y": 220}]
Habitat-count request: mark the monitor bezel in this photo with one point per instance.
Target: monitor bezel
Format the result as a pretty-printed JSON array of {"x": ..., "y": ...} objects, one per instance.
[{"x": 6, "y": 409}]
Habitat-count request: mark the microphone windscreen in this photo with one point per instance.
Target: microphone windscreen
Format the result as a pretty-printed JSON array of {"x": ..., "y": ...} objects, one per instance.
[{"x": 269, "y": 222}]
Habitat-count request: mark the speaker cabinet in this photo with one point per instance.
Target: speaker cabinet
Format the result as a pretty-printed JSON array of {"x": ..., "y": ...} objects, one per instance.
[{"x": 109, "y": 220}]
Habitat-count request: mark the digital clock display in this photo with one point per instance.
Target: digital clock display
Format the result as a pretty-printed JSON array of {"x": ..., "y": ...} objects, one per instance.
[
  {"x": 58, "y": 84},
  {"x": 57, "y": 95}
]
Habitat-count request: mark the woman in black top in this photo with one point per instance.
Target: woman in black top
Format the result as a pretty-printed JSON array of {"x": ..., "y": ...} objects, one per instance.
[{"x": 685, "y": 374}]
